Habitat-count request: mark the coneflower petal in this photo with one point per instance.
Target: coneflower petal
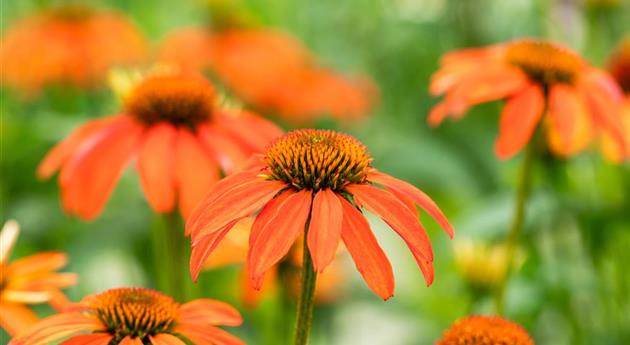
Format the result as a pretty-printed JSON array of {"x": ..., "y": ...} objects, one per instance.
[
  {"x": 166, "y": 339},
  {"x": 207, "y": 335},
  {"x": 251, "y": 130},
  {"x": 56, "y": 327},
  {"x": 62, "y": 151},
  {"x": 225, "y": 150},
  {"x": 241, "y": 201},
  {"x": 402, "y": 189},
  {"x": 489, "y": 85},
  {"x": 396, "y": 214},
  {"x": 204, "y": 247},
  {"x": 209, "y": 312},
  {"x": 277, "y": 237},
  {"x": 325, "y": 229},
  {"x": 266, "y": 215},
  {"x": 89, "y": 339},
  {"x": 519, "y": 119},
  {"x": 155, "y": 165},
  {"x": 565, "y": 108},
  {"x": 368, "y": 256},
  {"x": 89, "y": 177},
  {"x": 16, "y": 318},
  {"x": 131, "y": 341},
  {"x": 195, "y": 171}
]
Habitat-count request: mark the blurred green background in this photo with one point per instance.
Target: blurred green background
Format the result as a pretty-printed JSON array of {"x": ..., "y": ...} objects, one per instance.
[{"x": 574, "y": 284}]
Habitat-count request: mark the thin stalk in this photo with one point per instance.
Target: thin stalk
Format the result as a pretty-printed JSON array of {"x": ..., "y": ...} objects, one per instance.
[
  {"x": 518, "y": 218},
  {"x": 305, "y": 303},
  {"x": 170, "y": 256}
]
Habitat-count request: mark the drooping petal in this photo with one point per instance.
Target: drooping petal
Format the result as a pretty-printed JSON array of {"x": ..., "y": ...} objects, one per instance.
[
  {"x": 490, "y": 84},
  {"x": 8, "y": 237},
  {"x": 396, "y": 214},
  {"x": 89, "y": 177},
  {"x": 209, "y": 312},
  {"x": 228, "y": 152},
  {"x": 401, "y": 188},
  {"x": 216, "y": 191},
  {"x": 250, "y": 129},
  {"x": 565, "y": 107},
  {"x": 240, "y": 202},
  {"x": 325, "y": 228},
  {"x": 208, "y": 335},
  {"x": 89, "y": 339},
  {"x": 277, "y": 237},
  {"x": 368, "y": 256},
  {"x": 37, "y": 263},
  {"x": 16, "y": 318},
  {"x": 59, "y": 154},
  {"x": 266, "y": 215},
  {"x": 165, "y": 339},
  {"x": 204, "y": 247},
  {"x": 519, "y": 118},
  {"x": 195, "y": 171},
  {"x": 56, "y": 327},
  {"x": 156, "y": 161}
]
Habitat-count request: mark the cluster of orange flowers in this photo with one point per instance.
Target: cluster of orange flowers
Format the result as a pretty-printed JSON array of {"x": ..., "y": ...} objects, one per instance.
[{"x": 250, "y": 190}]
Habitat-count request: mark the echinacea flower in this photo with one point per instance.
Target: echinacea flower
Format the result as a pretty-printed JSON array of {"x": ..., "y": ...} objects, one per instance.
[
  {"x": 272, "y": 71},
  {"x": 322, "y": 179},
  {"x": 182, "y": 139},
  {"x": 28, "y": 281},
  {"x": 619, "y": 67},
  {"x": 136, "y": 316},
  {"x": 542, "y": 83},
  {"x": 485, "y": 330},
  {"x": 71, "y": 45}
]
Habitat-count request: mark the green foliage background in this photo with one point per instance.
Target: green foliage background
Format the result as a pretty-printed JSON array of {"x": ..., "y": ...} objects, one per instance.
[{"x": 574, "y": 286}]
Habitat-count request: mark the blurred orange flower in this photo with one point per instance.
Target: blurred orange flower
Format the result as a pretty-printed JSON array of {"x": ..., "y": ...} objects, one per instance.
[
  {"x": 541, "y": 81},
  {"x": 136, "y": 316},
  {"x": 182, "y": 139},
  {"x": 271, "y": 70},
  {"x": 233, "y": 250},
  {"x": 619, "y": 67},
  {"x": 482, "y": 330},
  {"x": 321, "y": 178},
  {"x": 29, "y": 280},
  {"x": 72, "y": 44}
]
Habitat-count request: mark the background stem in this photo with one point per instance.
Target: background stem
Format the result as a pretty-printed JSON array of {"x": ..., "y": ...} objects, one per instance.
[
  {"x": 170, "y": 256},
  {"x": 305, "y": 303}
]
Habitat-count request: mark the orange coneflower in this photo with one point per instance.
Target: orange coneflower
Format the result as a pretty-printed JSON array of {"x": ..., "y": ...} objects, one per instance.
[
  {"x": 321, "y": 178},
  {"x": 485, "y": 330},
  {"x": 29, "y": 280},
  {"x": 136, "y": 316},
  {"x": 536, "y": 78},
  {"x": 271, "y": 70},
  {"x": 182, "y": 139},
  {"x": 72, "y": 44},
  {"x": 619, "y": 67}
]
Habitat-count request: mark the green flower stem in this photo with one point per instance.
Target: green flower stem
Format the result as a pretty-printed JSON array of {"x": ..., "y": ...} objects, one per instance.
[
  {"x": 518, "y": 219},
  {"x": 305, "y": 303},
  {"x": 170, "y": 256}
]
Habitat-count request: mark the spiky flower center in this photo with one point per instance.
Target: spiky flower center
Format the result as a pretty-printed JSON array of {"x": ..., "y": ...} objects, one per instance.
[
  {"x": 485, "y": 330},
  {"x": 545, "y": 62},
  {"x": 317, "y": 159},
  {"x": 135, "y": 312},
  {"x": 178, "y": 99}
]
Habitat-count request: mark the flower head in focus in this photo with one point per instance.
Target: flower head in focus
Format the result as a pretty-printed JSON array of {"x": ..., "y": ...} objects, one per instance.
[
  {"x": 542, "y": 83},
  {"x": 272, "y": 71},
  {"x": 28, "y": 281},
  {"x": 619, "y": 68},
  {"x": 136, "y": 316},
  {"x": 324, "y": 179},
  {"x": 485, "y": 330},
  {"x": 72, "y": 45},
  {"x": 182, "y": 139}
]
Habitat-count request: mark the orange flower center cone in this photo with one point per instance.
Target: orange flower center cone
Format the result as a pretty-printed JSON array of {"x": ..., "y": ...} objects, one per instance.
[
  {"x": 485, "y": 330},
  {"x": 545, "y": 62},
  {"x": 180, "y": 100},
  {"x": 135, "y": 312},
  {"x": 318, "y": 159}
]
